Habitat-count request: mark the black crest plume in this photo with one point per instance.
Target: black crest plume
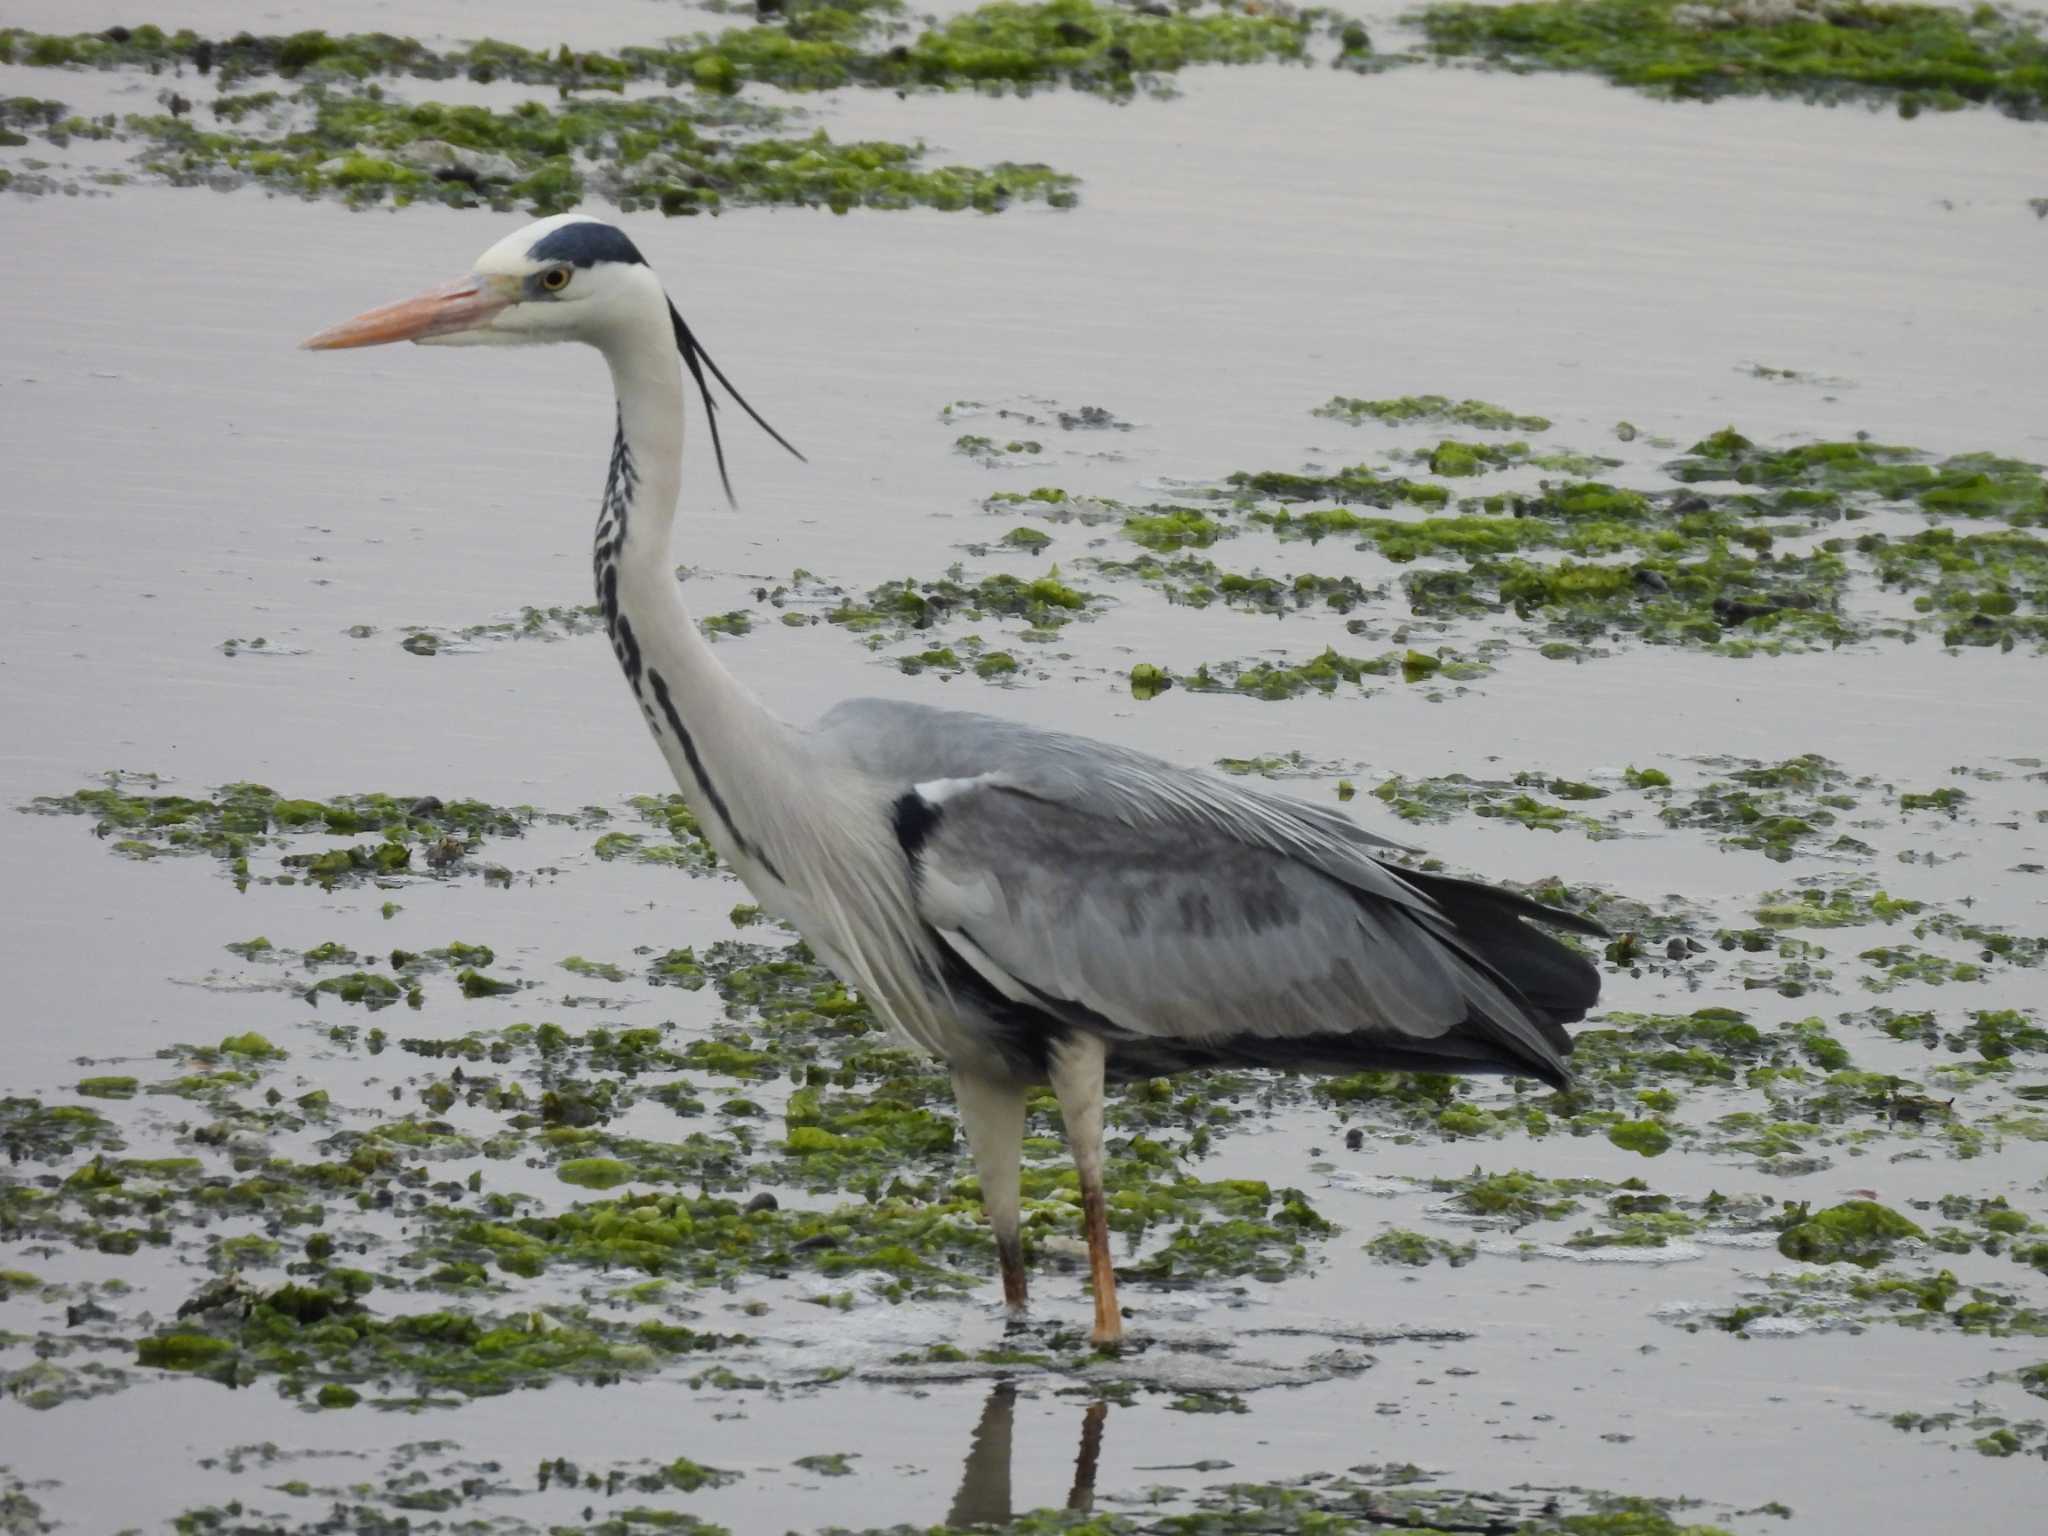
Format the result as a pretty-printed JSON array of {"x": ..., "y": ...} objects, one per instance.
[{"x": 696, "y": 359}]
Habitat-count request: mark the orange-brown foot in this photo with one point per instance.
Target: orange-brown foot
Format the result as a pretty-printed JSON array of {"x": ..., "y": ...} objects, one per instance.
[{"x": 1109, "y": 1320}]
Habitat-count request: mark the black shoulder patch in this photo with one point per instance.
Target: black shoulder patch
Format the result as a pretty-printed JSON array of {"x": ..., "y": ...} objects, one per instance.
[
  {"x": 915, "y": 819},
  {"x": 584, "y": 244}
]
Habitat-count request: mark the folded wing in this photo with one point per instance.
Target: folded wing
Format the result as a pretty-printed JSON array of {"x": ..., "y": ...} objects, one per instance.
[{"x": 1195, "y": 921}]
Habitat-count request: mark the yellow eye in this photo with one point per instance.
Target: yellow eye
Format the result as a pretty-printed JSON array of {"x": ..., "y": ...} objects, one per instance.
[{"x": 555, "y": 279}]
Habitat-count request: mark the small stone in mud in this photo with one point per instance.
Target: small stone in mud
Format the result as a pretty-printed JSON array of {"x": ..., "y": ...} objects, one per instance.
[
  {"x": 1091, "y": 418},
  {"x": 832, "y": 1464},
  {"x": 764, "y": 1201}
]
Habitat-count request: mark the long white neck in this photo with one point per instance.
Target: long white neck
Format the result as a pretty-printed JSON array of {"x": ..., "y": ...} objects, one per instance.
[
  {"x": 718, "y": 738},
  {"x": 808, "y": 830}
]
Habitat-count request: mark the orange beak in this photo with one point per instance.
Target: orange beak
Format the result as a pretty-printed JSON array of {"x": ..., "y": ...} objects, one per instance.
[{"x": 462, "y": 305}]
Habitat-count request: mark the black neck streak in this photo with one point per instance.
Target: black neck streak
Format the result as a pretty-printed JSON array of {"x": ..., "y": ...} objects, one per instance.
[
  {"x": 746, "y": 845},
  {"x": 622, "y": 482}
]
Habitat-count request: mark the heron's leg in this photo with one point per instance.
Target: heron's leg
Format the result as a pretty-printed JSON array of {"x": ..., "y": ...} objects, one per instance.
[
  {"x": 984, "y": 1496},
  {"x": 1077, "y": 1081},
  {"x": 993, "y": 1114},
  {"x": 1081, "y": 1497}
]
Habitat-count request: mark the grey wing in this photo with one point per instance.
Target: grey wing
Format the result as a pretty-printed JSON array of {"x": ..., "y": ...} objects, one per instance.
[{"x": 1194, "y": 919}]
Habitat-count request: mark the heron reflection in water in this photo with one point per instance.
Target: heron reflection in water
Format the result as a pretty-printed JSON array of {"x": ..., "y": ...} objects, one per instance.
[{"x": 984, "y": 1496}]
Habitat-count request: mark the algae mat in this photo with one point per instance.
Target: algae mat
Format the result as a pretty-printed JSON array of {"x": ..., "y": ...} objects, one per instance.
[{"x": 407, "y": 1122}]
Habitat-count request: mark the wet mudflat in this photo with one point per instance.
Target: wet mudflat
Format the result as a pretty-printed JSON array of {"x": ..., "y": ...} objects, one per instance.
[{"x": 394, "y": 1083}]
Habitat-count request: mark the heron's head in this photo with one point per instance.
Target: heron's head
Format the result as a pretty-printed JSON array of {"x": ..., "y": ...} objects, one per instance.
[{"x": 568, "y": 278}]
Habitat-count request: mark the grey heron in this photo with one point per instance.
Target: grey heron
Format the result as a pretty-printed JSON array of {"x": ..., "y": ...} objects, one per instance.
[{"x": 1032, "y": 907}]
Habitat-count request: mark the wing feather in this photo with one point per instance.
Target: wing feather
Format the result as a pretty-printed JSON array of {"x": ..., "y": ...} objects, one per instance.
[{"x": 1178, "y": 906}]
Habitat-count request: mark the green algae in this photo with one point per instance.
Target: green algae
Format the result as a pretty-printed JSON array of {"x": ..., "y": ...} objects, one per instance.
[
  {"x": 1327, "y": 672},
  {"x": 1994, "y": 1034},
  {"x": 1165, "y": 528},
  {"x": 1775, "y": 809},
  {"x": 337, "y": 136},
  {"x": 1265, "y": 767},
  {"x": 240, "y": 819},
  {"x": 1454, "y": 459},
  {"x": 31, "y": 1131},
  {"x": 1707, "y": 1045},
  {"x": 1046, "y": 495},
  {"x": 868, "y": 1120},
  {"x": 678, "y": 156},
  {"x": 183, "y": 1351},
  {"x": 1934, "y": 1301},
  {"x": 1194, "y": 582},
  {"x": 1648, "y": 1137},
  {"x": 371, "y": 990},
  {"x": 1516, "y": 1198},
  {"x": 1723, "y": 598},
  {"x": 1089, "y": 46},
  {"x": 898, "y": 608},
  {"x": 1984, "y": 589},
  {"x": 779, "y": 1057},
  {"x": 1987, "y": 1225},
  {"x": 1805, "y": 1080},
  {"x": 679, "y": 843},
  {"x": 1359, "y": 483},
  {"x": 1694, "y": 579},
  {"x": 1148, "y": 681},
  {"x": 1707, "y": 568},
  {"x": 423, "y": 1485},
  {"x": 1407, "y": 409},
  {"x": 1904, "y": 964},
  {"x": 986, "y": 450},
  {"x": 1852, "y": 903},
  {"x": 1638, "y": 1218},
  {"x": 1704, "y": 568},
  {"x": 937, "y": 659},
  {"x": 827, "y": 1463},
  {"x": 554, "y": 622},
  {"x": 297, "y": 1332},
  {"x": 1402, "y": 540},
  {"x": 683, "y": 1475},
  {"x": 909, "y": 1246},
  {"x": 594, "y": 1172},
  {"x": 997, "y": 47},
  {"x": 1415, "y": 1249},
  {"x": 1438, "y": 798},
  {"x": 1912, "y": 56},
  {"x": 475, "y": 983},
  {"x": 1816, "y": 475},
  {"x": 1859, "y": 1232}
]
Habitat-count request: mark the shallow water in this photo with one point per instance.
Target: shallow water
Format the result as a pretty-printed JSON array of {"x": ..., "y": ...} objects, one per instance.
[{"x": 177, "y": 476}]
